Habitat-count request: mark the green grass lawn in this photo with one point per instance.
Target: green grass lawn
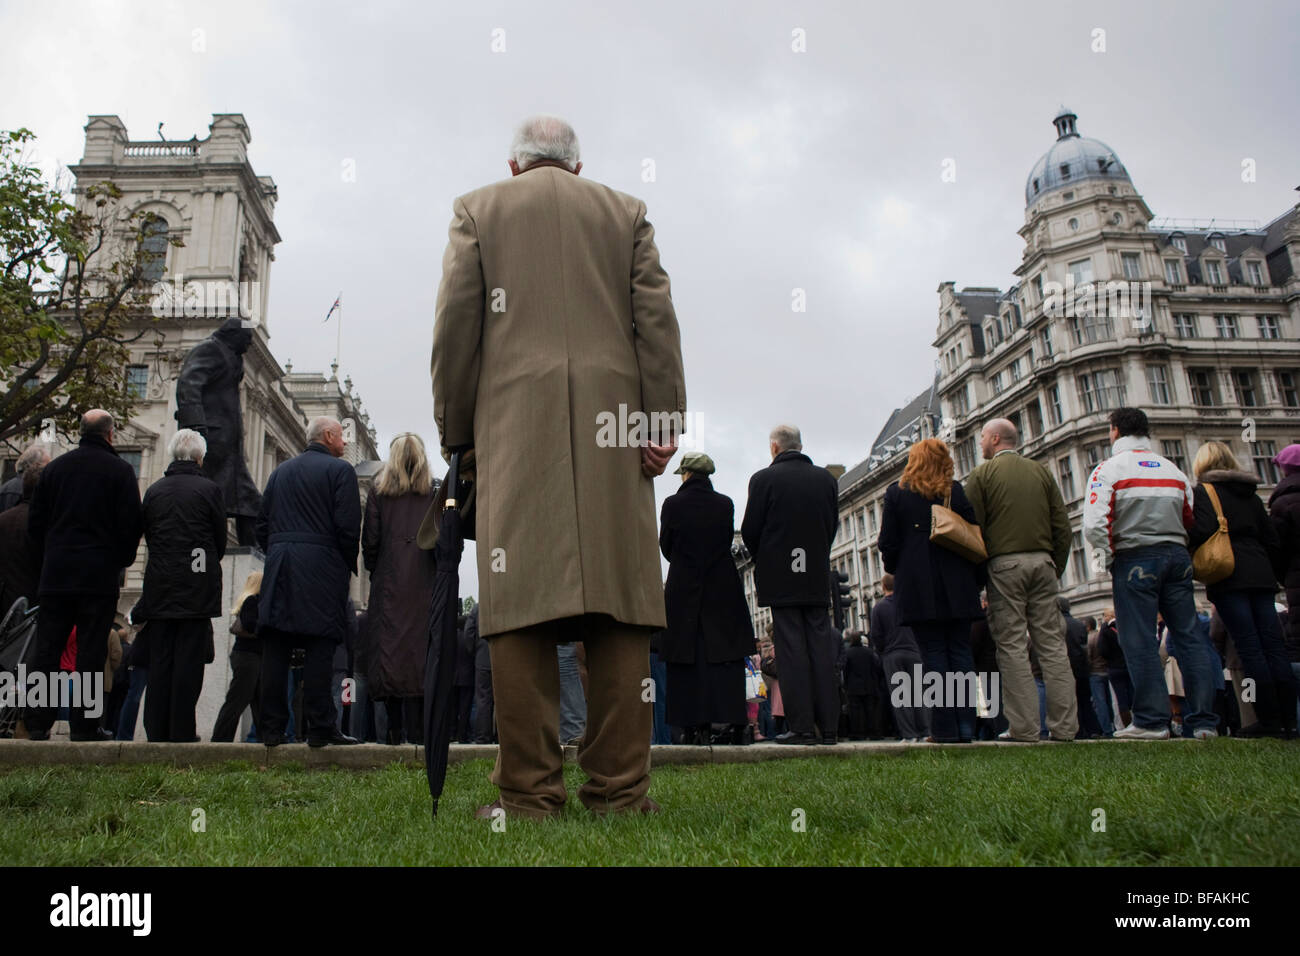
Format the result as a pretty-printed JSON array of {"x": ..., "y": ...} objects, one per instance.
[{"x": 1173, "y": 804}]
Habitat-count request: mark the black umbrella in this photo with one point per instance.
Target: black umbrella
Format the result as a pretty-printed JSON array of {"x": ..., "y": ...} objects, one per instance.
[{"x": 440, "y": 659}]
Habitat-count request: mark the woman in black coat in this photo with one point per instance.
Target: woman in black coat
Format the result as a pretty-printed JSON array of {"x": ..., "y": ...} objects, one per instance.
[
  {"x": 1244, "y": 599},
  {"x": 938, "y": 590},
  {"x": 709, "y": 632},
  {"x": 401, "y": 586},
  {"x": 1284, "y": 510}
]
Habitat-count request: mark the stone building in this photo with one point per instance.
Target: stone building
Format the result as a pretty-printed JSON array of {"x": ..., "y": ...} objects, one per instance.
[{"x": 1197, "y": 323}]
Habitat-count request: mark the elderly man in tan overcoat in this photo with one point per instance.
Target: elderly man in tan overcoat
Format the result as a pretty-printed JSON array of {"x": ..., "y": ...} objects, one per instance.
[{"x": 557, "y": 356}]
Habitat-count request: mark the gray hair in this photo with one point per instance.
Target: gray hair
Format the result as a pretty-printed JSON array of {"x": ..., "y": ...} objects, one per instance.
[
  {"x": 545, "y": 137},
  {"x": 37, "y": 453},
  {"x": 319, "y": 426},
  {"x": 787, "y": 438},
  {"x": 187, "y": 445}
]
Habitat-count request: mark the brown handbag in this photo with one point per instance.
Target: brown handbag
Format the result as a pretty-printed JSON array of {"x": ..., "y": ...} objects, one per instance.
[
  {"x": 950, "y": 530},
  {"x": 1213, "y": 560}
]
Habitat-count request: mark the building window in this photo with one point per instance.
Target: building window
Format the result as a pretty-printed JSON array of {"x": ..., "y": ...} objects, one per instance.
[
  {"x": 1074, "y": 224},
  {"x": 1080, "y": 558},
  {"x": 1158, "y": 384},
  {"x": 960, "y": 402},
  {"x": 1080, "y": 271},
  {"x": 1268, "y": 327},
  {"x": 1179, "y": 243},
  {"x": 1262, "y": 453},
  {"x": 1217, "y": 242},
  {"x": 997, "y": 383},
  {"x": 1244, "y": 380},
  {"x": 1185, "y": 325},
  {"x": 1038, "y": 286},
  {"x": 154, "y": 247},
  {"x": 1213, "y": 272},
  {"x": 1101, "y": 390},
  {"x": 1173, "y": 272},
  {"x": 132, "y": 458},
  {"x": 137, "y": 381},
  {"x": 1016, "y": 370},
  {"x": 1286, "y": 388},
  {"x": 1172, "y": 448},
  {"x": 1065, "y": 470},
  {"x": 1035, "y": 413},
  {"x": 871, "y": 516},
  {"x": 1201, "y": 381},
  {"x": 1132, "y": 263},
  {"x": 1255, "y": 272},
  {"x": 1045, "y": 337},
  {"x": 1095, "y": 454},
  {"x": 966, "y": 457},
  {"x": 1225, "y": 326},
  {"x": 1055, "y": 413},
  {"x": 1092, "y": 328}
]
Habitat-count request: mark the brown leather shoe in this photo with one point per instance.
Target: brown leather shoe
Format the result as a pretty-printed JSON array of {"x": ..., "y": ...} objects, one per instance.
[
  {"x": 649, "y": 806},
  {"x": 485, "y": 813}
]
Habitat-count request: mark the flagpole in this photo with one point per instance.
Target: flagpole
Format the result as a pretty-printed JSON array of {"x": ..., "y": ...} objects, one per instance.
[{"x": 338, "y": 343}]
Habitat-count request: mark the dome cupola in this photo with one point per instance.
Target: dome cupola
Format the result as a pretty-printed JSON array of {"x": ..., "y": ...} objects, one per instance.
[{"x": 1072, "y": 159}]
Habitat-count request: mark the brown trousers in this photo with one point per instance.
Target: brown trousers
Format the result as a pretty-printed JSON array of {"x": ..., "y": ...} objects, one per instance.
[{"x": 615, "y": 750}]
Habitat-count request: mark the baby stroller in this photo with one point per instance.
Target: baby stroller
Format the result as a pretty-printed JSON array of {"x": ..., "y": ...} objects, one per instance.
[{"x": 17, "y": 646}]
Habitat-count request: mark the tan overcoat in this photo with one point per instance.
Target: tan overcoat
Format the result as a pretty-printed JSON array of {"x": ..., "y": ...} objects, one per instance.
[{"x": 552, "y": 313}]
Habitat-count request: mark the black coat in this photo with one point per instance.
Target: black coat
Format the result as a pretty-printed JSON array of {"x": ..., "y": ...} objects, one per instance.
[
  {"x": 207, "y": 399},
  {"x": 310, "y": 529},
  {"x": 183, "y": 512},
  {"x": 704, "y": 597},
  {"x": 864, "y": 675},
  {"x": 1108, "y": 647},
  {"x": 932, "y": 583},
  {"x": 983, "y": 650},
  {"x": 1256, "y": 554},
  {"x": 11, "y": 492},
  {"x": 85, "y": 521},
  {"x": 19, "y": 567},
  {"x": 1284, "y": 512},
  {"x": 1076, "y": 645},
  {"x": 401, "y": 589},
  {"x": 791, "y": 517}
]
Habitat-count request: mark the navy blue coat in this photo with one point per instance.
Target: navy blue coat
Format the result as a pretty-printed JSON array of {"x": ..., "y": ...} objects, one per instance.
[
  {"x": 793, "y": 504},
  {"x": 933, "y": 584},
  {"x": 309, "y": 526},
  {"x": 704, "y": 596}
]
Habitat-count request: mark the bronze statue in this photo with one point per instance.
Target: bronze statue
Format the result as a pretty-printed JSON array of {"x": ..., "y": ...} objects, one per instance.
[{"x": 207, "y": 400}]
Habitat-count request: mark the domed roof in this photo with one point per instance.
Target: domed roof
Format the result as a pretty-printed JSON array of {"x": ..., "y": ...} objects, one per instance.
[{"x": 1072, "y": 158}]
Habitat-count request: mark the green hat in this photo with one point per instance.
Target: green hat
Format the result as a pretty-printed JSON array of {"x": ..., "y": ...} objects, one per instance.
[{"x": 697, "y": 462}]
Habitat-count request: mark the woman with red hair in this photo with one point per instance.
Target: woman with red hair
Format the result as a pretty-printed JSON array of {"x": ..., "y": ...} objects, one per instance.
[{"x": 937, "y": 589}]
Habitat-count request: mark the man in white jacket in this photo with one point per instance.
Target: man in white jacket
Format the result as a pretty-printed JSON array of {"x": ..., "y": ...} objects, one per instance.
[{"x": 1135, "y": 519}]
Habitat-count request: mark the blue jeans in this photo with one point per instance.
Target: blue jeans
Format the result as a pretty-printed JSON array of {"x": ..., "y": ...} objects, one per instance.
[
  {"x": 573, "y": 703},
  {"x": 1159, "y": 578},
  {"x": 660, "y": 734},
  {"x": 1251, "y": 621},
  {"x": 945, "y": 646},
  {"x": 1101, "y": 702},
  {"x": 126, "y": 720}
]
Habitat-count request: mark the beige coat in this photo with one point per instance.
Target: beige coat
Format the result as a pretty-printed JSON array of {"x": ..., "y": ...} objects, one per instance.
[{"x": 554, "y": 310}]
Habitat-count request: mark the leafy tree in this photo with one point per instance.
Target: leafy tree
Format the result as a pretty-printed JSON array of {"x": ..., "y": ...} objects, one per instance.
[{"x": 73, "y": 289}]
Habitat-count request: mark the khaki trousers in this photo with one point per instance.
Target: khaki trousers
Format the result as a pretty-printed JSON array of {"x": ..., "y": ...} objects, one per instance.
[
  {"x": 615, "y": 750},
  {"x": 1022, "y": 592}
]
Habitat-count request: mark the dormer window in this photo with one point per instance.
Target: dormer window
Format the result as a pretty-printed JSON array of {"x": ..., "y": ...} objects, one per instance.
[
  {"x": 1065, "y": 170},
  {"x": 1218, "y": 243},
  {"x": 1179, "y": 243},
  {"x": 1213, "y": 272},
  {"x": 1255, "y": 272},
  {"x": 1035, "y": 185}
]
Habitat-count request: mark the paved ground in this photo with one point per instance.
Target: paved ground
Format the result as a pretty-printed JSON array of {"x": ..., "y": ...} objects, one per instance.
[{"x": 19, "y": 753}]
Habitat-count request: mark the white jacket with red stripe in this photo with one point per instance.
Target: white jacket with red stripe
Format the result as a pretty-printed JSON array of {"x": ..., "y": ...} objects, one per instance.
[{"x": 1136, "y": 498}]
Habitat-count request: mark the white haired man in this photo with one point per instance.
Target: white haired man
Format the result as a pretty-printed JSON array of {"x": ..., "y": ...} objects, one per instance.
[
  {"x": 185, "y": 531},
  {"x": 554, "y": 313},
  {"x": 309, "y": 526},
  {"x": 37, "y": 455},
  {"x": 791, "y": 517}
]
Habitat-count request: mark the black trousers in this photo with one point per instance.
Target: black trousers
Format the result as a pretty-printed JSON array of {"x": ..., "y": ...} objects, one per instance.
[
  {"x": 1089, "y": 725},
  {"x": 464, "y": 704},
  {"x": 92, "y": 616},
  {"x": 277, "y": 648},
  {"x": 483, "y": 705},
  {"x": 244, "y": 691},
  {"x": 178, "y": 649},
  {"x": 805, "y": 663}
]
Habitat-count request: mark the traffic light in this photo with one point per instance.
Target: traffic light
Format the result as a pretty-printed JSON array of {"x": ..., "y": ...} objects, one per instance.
[{"x": 840, "y": 597}]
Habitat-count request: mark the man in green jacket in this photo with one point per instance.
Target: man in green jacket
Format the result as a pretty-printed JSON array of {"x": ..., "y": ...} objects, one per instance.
[{"x": 1027, "y": 535}]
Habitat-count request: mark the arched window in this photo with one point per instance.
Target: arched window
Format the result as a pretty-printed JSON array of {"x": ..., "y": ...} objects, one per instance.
[{"x": 154, "y": 246}]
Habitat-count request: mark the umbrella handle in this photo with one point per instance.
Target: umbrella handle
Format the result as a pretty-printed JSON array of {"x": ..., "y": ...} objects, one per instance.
[{"x": 452, "y": 481}]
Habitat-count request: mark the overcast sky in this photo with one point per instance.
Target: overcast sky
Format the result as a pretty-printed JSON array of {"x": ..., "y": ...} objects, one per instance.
[{"x": 774, "y": 169}]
